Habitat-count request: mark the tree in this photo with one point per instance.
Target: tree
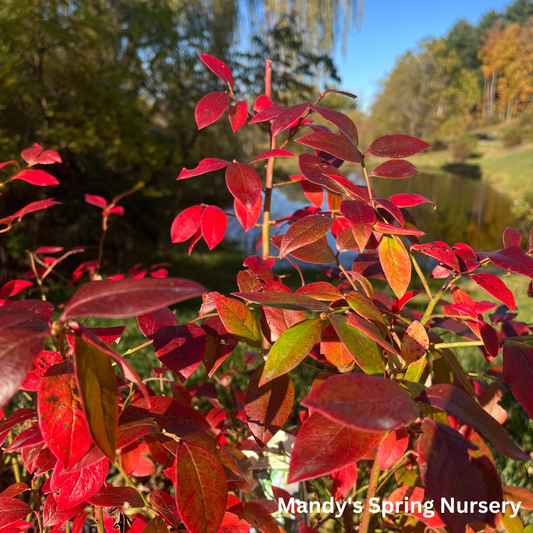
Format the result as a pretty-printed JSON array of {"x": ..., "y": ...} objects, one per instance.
[
  {"x": 463, "y": 38},
  {"x": 427, "y": 88}
]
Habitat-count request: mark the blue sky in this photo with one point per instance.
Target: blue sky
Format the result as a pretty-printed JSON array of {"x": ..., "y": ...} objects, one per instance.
[{"x": 391, "y": 27}]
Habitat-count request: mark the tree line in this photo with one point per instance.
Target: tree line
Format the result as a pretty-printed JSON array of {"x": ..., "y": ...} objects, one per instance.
[{"x": 476, "y": 72}]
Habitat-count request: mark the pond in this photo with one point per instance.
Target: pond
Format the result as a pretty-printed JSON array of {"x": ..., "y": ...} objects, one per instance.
[{"x": 468, "y": 210}]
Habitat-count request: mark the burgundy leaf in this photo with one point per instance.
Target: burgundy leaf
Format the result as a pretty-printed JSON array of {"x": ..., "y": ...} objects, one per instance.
[
  {"x": 511, "y": 237},
  {"x": 129, "y": 297},
  {"x": 244, "y": 184},
  {"x": 331, "y": 143},
  {"x": 397, "y": 169},
  {"x": 268, "y": 407},
  {"x": 367, "y": 403},
  {"x": 335, "y": 91},
  {"x": 288, "y": 118},
  {"x": 210, "y": 108},
  {"x": 317, "y": 252},
  {"x": 513, "y": 259},
  {"x": 116, "y": 497},
  {"x": 448, "y": 471},
  {"x": 458, "y": 404},
  {"x": 219, "y": 68},
  {"x": 396, "y": 146},
  {"x": 19, "y": 416},
  {"x": 151, "y": 322},
  {"x": 323, "y": 446},
  {"x": 391, "y": 208},
  {"x": 180, "y": 348},
  {"x": 283, "y": 300},
  {"x": 206, "y": 165},
  {"x": 518, "y": 373},
  {"x": 219, "y": 344},
  {"x": 237, "y": 114},
  {"x": 361, "y": 218},
  {"x": 213, "y": 224},
  {"x": 186, "y": 224}
]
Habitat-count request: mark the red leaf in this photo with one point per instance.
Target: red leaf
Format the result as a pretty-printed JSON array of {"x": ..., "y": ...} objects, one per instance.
[
  {"x": 268, "y": 407},
  {"x": 390, "y": 229},
  {"x": 98, "y": 201},
  {"x": 116, "y": 497},
  {"x": 29, "y": 437},
  {"x": 335, "y": 91},
  {"x": 441, "y": 251},
  {"x": 206, "y": 165},
  {"x": 196, "y": 237},
  {"x": 48, "y": 157},
  {"x": 180, "y": 348},
  {"x": 48, "y": 250},
  {"x": 151, "y": 322},
  {"x": 396, "y": 146},
  {"x": 186, "y": 224},
  {"x": 343, "y": 481},
  {"x": 210, "y": 108},
  {"x": 36, "y": 177},
  {"x": 53, "y": 516},
  {"x": 410, "y": 200},
  {"x": 363, "y": 402},
  {"x": 317, "y": 252},
  {"x": 262, "y": 102},
  {"x": 237, "y": 114},
  {"x": 19, "y": 416},
  {"x": 458, "y": 404},
  {"x": 70, "y": 489},
  {"x": 391, "y": 208},
  {"x": 331, "y": 143},
  {"x": 33, "y": 207},
  {"x": 30, "y": 154},
  {"x": 396, "y": 264},
  {"x": 361, "y": 218},
  {"x": 489, "y": 337},
  {"x": 518, "y": 373},
  {"x": 312, "y": 191},
  {"x": 61, "y": 416},
  {"x": 247, "y": 217},
  {"x": 12, "y": 288},
  {"x": 448, "y": 472},
  {"x": 513, "y": 259},
  {"x": 276, "y": 152},
  {"x": 129, "y": 297},
  {"x": 201, "y": 488},
  {"x": 288, "y": 118},
  {"x": 392, "y": 448},
  {"x": 306, "y": 231},
  {"x": 397, "y": 169},
  {"x": 218, "y": 67},
  {"x": 344, "y": 124},
  {"x": 15, "y": 490},
  {"x": 495, "y": 286},
  {"x": 11, "y": 510},
  {"x": 323, "y": 446},
  {"x": 267, "y": 113},
  {"x": 244, "y": 184},
  {"x": 415, "y": 342},
  {"x": 320, "y": 290},
  {"x": 256, "y": 515},
  {"x": 511, "y": 237},
  {"x": 213, "y": 224}
]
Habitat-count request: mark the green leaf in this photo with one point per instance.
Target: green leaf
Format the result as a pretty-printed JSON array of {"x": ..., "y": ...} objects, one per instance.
[
  {"x": 290, "y": 349},
  {"x": 365, "y": 352},
  {"x": 239, "y": 321},
  {"x": 99, "y": 392}
]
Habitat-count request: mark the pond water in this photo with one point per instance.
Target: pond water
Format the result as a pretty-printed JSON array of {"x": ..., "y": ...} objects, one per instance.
[{"x": 468, "y": 210}]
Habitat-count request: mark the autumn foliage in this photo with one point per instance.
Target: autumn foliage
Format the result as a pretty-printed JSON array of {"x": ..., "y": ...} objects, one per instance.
[{"x": 391, "y": 400}]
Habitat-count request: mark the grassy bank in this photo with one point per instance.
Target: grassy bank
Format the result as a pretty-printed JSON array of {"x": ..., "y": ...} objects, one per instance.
[{"x": 509, "y": 170}]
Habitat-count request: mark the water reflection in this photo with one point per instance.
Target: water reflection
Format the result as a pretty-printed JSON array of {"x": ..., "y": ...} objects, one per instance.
[{"x": 468, "y": 210}]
